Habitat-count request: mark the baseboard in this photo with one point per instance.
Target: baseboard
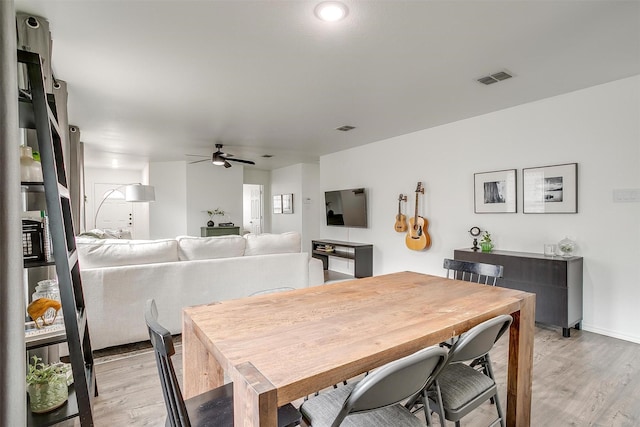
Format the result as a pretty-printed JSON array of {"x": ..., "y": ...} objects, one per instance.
[{"x": 609, "y": 333}]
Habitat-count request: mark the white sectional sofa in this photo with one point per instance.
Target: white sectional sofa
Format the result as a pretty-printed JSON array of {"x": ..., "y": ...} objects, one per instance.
[{"x": 118, "y": 276}]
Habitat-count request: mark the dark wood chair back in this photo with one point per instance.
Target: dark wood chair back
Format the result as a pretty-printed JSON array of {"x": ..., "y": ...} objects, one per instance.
[
  {"x": 211, "y": 408},
  {"x": 478, "y": 272},
  {"x": 162, "y": 343}
]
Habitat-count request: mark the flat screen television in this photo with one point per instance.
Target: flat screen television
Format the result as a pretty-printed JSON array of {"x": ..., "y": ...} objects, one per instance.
[{"x": 346, "y": 208}]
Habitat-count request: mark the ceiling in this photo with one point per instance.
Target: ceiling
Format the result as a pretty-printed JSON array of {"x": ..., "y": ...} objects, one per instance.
[{"x": 160, "y": 79}]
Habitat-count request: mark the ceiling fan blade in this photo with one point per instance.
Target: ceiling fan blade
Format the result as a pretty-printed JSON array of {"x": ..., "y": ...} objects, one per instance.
[
  {"x": 196, "y": 155},
  {"x": 227, "y": 164},
  {"x": 249, "y": 162},
  {"x": 199, "y": 161}
]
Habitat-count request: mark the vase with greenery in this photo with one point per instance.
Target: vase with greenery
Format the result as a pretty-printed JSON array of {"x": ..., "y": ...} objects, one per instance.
[
  {"x": 485, "y": 242},
  {"x": 211, "y": 213},
  {"x": 47, "y": 386}
]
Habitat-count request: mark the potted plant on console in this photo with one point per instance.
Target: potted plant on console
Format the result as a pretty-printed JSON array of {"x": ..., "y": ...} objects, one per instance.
[
  {"x": 47, "y": 386},
  {"x": 486, "y": 243},
  {"x": 211, "y": 213}
]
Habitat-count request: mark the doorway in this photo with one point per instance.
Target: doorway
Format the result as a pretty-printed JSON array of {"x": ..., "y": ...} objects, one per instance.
[{"x": 253, "y": 208}]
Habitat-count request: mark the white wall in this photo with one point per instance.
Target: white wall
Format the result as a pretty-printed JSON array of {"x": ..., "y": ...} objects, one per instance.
[
  {"x": 597, "y": 127},
  {"x": 168, "y": 214},
  {"x": 210, "y": 187},
  {"x": 287, "y": 180},
  {"x": 301, "y": 180},
  {"x": 184, "y": 192},
  {"x": 310, "y": 203}
]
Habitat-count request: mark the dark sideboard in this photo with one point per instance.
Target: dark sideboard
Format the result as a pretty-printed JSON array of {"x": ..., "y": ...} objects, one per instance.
[{"x": 556, "y": 281}]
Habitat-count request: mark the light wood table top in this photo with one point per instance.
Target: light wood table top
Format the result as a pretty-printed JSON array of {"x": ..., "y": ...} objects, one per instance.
[{"x": 279, "y": 347}]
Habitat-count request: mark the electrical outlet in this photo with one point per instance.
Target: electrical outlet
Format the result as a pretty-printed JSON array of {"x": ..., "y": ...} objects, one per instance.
[{"x": 626, "y": 195}]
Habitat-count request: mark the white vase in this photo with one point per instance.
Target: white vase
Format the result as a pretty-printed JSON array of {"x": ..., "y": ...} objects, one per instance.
[{"x": 26, "y": 164}]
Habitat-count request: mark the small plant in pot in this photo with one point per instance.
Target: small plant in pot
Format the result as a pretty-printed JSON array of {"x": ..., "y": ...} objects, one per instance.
[
  {"x": 211, "y": 213},
  {"x": 47, "y": 386},
  {"x": 485, "y": 242}
]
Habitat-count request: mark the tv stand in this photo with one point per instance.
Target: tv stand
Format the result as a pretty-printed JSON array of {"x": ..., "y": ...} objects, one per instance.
[{"x": 360, "y": 253}]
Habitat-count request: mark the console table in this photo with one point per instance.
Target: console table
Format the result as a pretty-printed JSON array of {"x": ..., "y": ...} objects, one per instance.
[
  {"x": 218, "y": 231},
  {"x": 360, "y": 253},
  {"x": 556, "y": 281}
]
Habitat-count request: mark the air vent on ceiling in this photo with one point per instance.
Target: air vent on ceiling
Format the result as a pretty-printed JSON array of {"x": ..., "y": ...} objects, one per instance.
[
  {"x": 345, "y": 128},
  {"x": 495, "y": 78}
]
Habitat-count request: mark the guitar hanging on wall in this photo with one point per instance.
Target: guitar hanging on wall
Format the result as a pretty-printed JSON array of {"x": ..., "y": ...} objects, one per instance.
[
  {"x": 401, "y": 219},
  {"x": 417, "y": 235}
]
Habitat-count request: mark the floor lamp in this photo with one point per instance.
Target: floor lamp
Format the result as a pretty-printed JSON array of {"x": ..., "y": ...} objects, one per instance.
[{"x": 132, "y": 193}]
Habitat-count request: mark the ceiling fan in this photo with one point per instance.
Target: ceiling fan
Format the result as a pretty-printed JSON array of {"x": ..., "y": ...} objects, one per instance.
[{"x": 221, "y": 159}]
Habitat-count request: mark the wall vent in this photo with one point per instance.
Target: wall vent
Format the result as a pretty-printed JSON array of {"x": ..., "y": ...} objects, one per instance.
[
  {"x": 495, "y": 78},
  {"x": 345, "y": 128}
]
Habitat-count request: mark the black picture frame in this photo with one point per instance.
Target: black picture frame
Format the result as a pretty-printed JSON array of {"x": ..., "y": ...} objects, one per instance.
[
  {"x": 495, "y": 191},
  {"x": 550, "y": 189}
]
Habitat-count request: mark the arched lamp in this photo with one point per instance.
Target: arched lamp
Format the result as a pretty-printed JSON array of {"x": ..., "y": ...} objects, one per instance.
[{"x": 132, "y": 193}]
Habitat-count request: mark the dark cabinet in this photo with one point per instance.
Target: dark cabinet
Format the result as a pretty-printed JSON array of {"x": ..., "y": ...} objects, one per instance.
[
  {"x": 219, "y": 231},
  {"x": 556, "y": 281},
  {"x": 360, "y": 253}
]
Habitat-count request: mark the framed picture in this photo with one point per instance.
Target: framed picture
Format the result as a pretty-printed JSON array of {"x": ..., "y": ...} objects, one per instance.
[
  {"x": 287, "y": 203},
  {"x": 277, "y": 204},
  {"x": 495, "y": 192},
  {"x": 550, "y": 189}
]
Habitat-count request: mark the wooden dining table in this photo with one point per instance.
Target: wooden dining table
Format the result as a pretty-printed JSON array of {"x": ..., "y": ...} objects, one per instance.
[{"x": 279, "y": 347}]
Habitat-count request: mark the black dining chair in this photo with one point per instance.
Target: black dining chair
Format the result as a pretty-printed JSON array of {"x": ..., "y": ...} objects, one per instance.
[
  {"x": 477, "y": 272},
  {"x": 375, "y": 400},
  {"x": 213, "y": 408},
  {"x": 460, "y": 387}
]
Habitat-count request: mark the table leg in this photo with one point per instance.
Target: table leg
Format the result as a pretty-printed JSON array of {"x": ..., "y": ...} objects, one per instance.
[
  {"x": 520, "y": 370},
  {"x": 200, "y": 371},
  {"x": 255, "y": 398}
]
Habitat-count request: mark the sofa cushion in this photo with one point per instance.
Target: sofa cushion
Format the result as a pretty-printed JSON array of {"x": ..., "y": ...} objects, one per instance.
[
  {"x": 193, "y": 248},
  {"x": 94, "y": 253},
  {"x": 264, "y": 244}
]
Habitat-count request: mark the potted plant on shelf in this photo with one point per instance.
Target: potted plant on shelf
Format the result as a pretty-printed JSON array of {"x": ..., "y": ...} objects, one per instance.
[
  {"x": 211, "y": 213},
  {"x": 47, "y": 386},
  {"x": 486, "y": 243}
]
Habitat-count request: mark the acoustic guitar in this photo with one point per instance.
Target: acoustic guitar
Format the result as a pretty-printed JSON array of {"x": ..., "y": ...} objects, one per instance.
[
  {"x": 417, "y": 236},
  {"x": 401, "y": 220}
]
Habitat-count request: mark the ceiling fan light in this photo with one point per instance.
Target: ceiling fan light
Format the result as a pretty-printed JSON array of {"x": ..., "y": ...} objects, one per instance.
[{"x": 218, "y": 160}]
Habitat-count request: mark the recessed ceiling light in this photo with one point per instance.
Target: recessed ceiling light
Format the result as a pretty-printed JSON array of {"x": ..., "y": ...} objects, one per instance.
[{"x": 331, "y": 11}]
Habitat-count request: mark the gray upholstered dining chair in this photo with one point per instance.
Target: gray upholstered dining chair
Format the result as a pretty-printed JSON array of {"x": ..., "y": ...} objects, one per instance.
[
  {"x": 212, "y": 408},
  {"x": 478, "y": 272},
  {"x": 374, "y": 400},
  {"x": 460, "y": 388}
]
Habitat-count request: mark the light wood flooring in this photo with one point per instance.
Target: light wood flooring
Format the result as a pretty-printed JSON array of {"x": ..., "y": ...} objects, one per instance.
[{"x": 585, "y": 380}]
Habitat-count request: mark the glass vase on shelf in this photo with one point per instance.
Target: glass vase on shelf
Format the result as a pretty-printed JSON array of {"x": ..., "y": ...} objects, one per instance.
[
  {"x": 566, "y": 247},
  {"x": 47, "y": 289},
  {"x": 27, "y": 171}
]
